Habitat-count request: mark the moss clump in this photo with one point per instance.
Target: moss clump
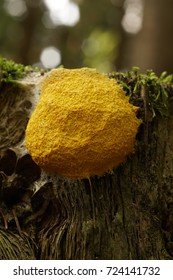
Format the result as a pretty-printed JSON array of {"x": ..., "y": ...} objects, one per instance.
[
  {"x": 10, "y": 71},
  {"x": 83, "y": 125},
  {"x": 147, "y": 89}
]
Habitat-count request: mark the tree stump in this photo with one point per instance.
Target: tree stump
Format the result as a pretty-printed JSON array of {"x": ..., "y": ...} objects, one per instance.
[{"x": 125, "y": 214}]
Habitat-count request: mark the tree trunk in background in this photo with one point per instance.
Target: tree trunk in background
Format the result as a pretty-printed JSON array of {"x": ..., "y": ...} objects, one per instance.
[
  {"x": 126, "y": 214},
  {"x": 152, "y": 47}
]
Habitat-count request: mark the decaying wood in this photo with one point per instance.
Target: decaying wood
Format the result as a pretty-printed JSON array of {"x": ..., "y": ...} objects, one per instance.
[{"x": 125, "y": 214}]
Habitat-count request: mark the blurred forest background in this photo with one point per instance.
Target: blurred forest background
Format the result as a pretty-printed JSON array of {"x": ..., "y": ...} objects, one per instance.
[{"x": 105, "y": 34}]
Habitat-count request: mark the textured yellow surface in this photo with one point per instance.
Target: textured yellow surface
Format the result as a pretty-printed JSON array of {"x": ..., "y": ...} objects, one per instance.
[{"x": 83, "y": 124}]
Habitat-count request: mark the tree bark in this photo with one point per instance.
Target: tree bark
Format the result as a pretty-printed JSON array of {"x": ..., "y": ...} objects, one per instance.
[{"x": 125, "y": 214}]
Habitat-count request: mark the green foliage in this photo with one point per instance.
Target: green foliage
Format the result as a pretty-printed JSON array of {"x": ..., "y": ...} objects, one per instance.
[
  {"x": 147, "y": 89},
  {"x": 102, "y": 25},
  {"x": 100, "y": 49}
]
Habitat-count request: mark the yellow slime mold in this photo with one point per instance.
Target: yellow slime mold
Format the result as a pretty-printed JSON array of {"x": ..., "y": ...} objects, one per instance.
[{"x": 83, "y": 124}]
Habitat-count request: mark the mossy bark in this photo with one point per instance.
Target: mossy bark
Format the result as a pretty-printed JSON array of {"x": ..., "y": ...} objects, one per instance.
[{"x": 125, "y": 214}]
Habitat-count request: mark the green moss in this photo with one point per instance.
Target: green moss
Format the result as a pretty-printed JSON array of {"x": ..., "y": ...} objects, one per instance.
[
  {"x": 147, "y": 90},
  {"x": 11, "y": 71}
]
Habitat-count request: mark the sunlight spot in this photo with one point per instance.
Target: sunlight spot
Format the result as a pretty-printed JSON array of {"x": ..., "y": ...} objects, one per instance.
[
  {"x": 133, "y": 16},
  {"x": 15, "y": 8},
  {"x": 62, "y": 12},
  {"x": 50, "y": 57}
]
